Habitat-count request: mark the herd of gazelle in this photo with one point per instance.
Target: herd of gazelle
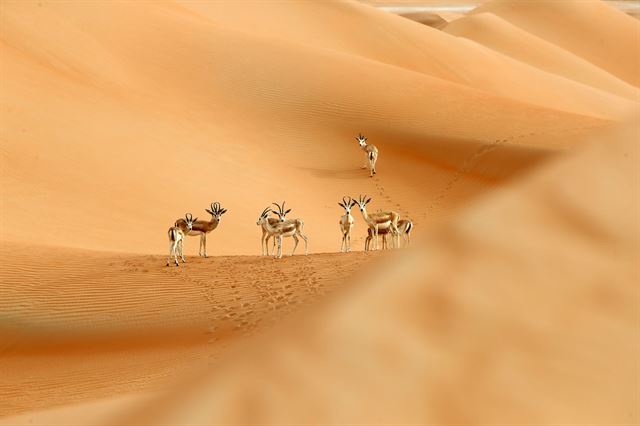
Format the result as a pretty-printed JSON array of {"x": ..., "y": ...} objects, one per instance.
[{"x": 379, "y": 223}]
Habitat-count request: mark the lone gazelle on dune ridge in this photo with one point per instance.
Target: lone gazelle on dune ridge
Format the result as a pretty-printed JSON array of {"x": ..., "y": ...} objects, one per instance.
[
  {"x": 371, "y": 154},
  {"x": 380, "y": 219},
  {"x": 284, "y": 228},
  {"x": 346, "y": 223},
  {"x": 405, "y": 226},
  {"x": 203, "y": 227},
  {"x": 177, "y": 235}
]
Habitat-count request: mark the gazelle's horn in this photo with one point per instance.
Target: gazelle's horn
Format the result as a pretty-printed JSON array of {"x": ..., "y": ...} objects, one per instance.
[{"x": 188, "y": 216}]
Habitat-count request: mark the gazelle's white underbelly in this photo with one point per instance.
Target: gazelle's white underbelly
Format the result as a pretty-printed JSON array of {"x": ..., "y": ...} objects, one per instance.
[{"x": 192, "y": 233}]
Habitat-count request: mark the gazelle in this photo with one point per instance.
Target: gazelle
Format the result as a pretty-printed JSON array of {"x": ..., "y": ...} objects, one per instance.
[
  {"x": 177, "y": 235},
  {"x": 405, "y": 227},
  {"x": 266, "y": 236},
  {"x": 203, "y": 227},
  {"x": 380, "y": 219},
  {"x": 371, "y": 154},
  {"x": 346, "y": 223},
  {"x": 284, "y": 228}
]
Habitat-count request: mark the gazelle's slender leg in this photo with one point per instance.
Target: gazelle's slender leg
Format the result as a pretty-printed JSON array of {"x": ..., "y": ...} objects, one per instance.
[
  {"x": 349, "y": 243},
  {"x": 182, "y": 251},
  {"x": 375, "y": 233},
  {"x": 262, "y": 243},
  {"x": 175, "y": 252},
  {"x": 204, "y": 244},
  {"x": 280, "y": 247},
  {"x": 306, "y": 243},
  {"x": 295, "y": 239},
  {"x": 170, "y": 251}
]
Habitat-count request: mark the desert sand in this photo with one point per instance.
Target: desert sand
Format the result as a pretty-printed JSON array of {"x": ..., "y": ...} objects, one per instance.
[{"x": 507, "y": 135}]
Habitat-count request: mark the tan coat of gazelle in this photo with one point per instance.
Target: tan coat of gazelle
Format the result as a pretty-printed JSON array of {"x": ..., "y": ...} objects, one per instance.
[
  {"x": 405, "y": 227},
  {"x": 177, "y": 235},
  {"x": 378, "y": 220},
  {"x": 266, "y": 236},
  {"x": 346, "y": 223},
  {"x": 203, "y": 227},
  {"x": 283, "y": 228},
  {"x": 371, "y": 154}
]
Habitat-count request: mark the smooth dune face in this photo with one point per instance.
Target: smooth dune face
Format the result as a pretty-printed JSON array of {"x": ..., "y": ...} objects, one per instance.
[
  {"x": 498, "y": 137},
  {"x": 504, "y": 37},
  {"x": 591, "y": 29}
]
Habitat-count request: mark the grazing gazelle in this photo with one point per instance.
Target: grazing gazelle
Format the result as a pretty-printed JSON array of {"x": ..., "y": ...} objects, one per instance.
[
  {"x": 176, "y": 237},
  {"x": 371, "y": 154},
  {"x": 380, "y": 219},
  {"x": 405, "y": 227},
  {"x": 346, "y": 223},
  {"x": 203, "y": 227},
  {"x": 283, "y": 228}
]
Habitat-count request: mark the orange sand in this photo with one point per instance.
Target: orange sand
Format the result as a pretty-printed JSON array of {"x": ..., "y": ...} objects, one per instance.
[{"x": 497, "y": 137}]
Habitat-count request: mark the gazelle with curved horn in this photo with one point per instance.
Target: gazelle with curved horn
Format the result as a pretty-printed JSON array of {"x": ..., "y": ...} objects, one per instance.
[
  {"x": 346, "y": 223},
  {"x": 379, "y": 219},
  {"x": 371, "y": 154},
  {"x": 177, "y": 235},
  {"x": 203, "y": 227},
  {"x": 284, "y": 228},
  {"x": 405, "y": 226},
  {"x": 266, "y": 236}
]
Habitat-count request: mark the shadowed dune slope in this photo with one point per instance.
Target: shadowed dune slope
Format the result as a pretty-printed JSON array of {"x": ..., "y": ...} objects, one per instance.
[
  {"x": 550, "y": 335},
  {"x": 504, "y": 37},
  {"x": 155, "y": 120},
  {"x": 593, "y": 30}
]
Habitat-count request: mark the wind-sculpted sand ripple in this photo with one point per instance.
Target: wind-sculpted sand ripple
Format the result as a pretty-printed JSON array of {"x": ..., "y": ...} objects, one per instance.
[{"x": 79, "y": 324}]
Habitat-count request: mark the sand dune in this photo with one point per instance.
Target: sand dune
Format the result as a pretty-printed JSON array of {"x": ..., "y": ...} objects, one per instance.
[
  {"x": 502, "y": 36},
  {"x": 189, "y": 137},
  {"x": 591, "y": 29},
  {"x": 97, "y": 308},
  {"x": 515, "y": 302},
  {"x": 437, "y": 20},
  {"x": 466, "y": 340},
  {"x": 408, "y": 45}
]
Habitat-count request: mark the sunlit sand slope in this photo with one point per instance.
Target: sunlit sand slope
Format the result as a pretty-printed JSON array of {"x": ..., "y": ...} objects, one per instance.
[
  {"x": 112, "y": 130},
  {"x": 591, "y": 29},
  {"x": 504, "y": 37}
]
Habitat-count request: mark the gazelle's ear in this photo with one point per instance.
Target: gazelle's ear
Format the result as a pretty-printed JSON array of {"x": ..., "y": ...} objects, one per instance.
[
  {"x": 340, "y": 204},
  {"x": 195, "y": 220},
  {"x": 208, "y": 211},
  {"x": 223, "y": 211},
  {"x": 368, "y": 201},
  {"x": 287, "y": 211}
]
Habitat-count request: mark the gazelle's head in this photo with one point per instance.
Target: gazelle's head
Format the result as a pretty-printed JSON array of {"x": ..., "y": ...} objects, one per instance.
[
  {"x": 347, "y": 203},
  {"x": 362, "y": 202},
  {"x": 190, "y": 220},
  {"x": 282, "y": 213},
  {"x": 362, "y": 141},
  {"x": 264, "y": 216},
  {"x": 216, "y": 212}
]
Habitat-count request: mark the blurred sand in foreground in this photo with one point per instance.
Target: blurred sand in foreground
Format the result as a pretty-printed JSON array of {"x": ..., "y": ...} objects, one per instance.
[{"x": 508, "y": 135}]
